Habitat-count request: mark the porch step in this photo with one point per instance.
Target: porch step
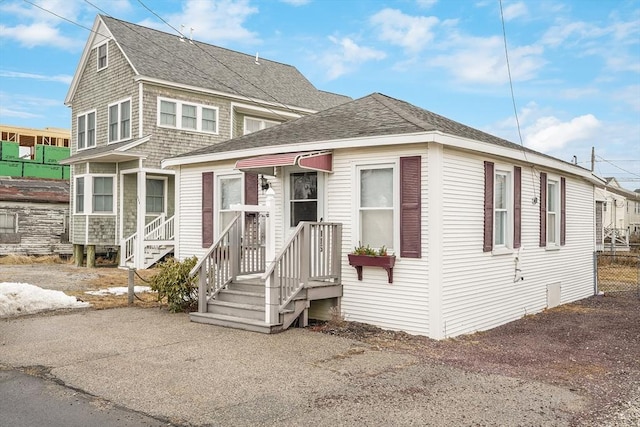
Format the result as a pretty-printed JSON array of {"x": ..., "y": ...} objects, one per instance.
[
  {"x": 242, "y": 297},
  {"x": 235, "y": 322},
  {"x": 240, "y": 310},
  {"x": 248, "y": 285}
]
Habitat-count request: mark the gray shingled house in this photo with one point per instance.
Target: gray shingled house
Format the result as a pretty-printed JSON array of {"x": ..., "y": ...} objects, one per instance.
[
  {"x": 478, "y": 231},
  {"x": 140, "y": 95}
]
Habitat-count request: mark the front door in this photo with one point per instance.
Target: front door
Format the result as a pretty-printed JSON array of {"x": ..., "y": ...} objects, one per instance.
[{"x": 304, "y": 196}]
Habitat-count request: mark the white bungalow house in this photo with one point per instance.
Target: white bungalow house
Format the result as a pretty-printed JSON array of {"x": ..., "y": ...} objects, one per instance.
[{"x": 479, "y": 231}]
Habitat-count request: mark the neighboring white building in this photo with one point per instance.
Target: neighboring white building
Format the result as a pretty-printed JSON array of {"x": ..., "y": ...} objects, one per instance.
[
  {"x": 617, "y": 214},
  {"x": 484, "y": 231}
]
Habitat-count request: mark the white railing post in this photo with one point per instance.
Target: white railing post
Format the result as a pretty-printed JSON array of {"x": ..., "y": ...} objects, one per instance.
[{"x": 271, "y": 302}]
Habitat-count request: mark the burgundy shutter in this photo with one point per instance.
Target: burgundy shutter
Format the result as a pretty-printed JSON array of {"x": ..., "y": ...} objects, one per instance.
[
  {"x": 410, "y": 207},
  {"x": 517, "y": 207},
  {"x": 563, "y": 211},
  {"x": 250, "y": 188},
  {"x": 207, "y": 209},
  {"x": 488, "y": 206},
  {"x": 543, "y": 209}
]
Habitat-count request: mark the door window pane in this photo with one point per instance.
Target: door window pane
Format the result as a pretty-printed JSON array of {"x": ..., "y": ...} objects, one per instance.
[
  {"x": 230, "y": 194},
  {"x": 155, "y": 195},
  {"x": 303, "y": 197}
]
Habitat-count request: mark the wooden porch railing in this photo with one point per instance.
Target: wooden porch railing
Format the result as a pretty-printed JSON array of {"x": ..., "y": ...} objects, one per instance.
[
  {"x": 312, "y": 253},
  {"x": 233, "y": 254},
  {"x": 159, "y": 231},
  {"x": 616, "y": 237}
]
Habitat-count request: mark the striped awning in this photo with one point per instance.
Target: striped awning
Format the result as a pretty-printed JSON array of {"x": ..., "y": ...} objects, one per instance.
[{"x": 314, "y": 160}]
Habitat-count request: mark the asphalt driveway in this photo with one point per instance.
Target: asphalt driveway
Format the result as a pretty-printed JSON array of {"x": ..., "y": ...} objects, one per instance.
[{"x": 160, "y": 364}]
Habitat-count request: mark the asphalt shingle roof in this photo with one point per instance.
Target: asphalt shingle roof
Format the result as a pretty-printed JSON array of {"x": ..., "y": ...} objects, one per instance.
[
  {"x": 372, "y": 115},
  {"x": 164, "y": 56}
]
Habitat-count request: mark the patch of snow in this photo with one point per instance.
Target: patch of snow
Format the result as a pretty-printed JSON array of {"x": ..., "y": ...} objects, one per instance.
[
  {"x": 120, "y": 290},
  {"x": 22, "y": 298}
]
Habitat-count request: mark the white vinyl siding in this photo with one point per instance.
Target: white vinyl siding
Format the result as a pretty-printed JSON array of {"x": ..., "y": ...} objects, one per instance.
[
  {"x": 187, "y": 116},
  {"x": 478, "y": 290}
]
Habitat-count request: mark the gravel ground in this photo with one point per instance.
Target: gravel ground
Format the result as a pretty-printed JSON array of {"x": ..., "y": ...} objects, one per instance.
[{"x": 574, "y": 365}]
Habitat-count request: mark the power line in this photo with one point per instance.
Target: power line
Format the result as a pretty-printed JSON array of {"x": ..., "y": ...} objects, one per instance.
[
  {"x": 203, "y": 74},
  {"x": 513, "y": 100},
  {"x": 622, "y": 169}
]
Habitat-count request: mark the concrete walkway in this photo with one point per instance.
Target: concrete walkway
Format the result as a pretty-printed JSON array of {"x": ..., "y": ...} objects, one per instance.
[{"x": 162, "y": 365}]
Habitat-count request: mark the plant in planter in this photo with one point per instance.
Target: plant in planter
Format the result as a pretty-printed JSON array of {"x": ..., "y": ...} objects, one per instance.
[{"x": 365, "y": 256}]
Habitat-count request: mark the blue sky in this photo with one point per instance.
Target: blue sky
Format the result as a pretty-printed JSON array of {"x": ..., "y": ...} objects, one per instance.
[{"x": 575, "y": 64}]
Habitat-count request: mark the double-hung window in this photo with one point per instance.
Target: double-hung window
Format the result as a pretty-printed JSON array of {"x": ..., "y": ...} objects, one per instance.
[
  {"x": 155, "y": 195},
  {"x": 86, "y": 130},
  {"x": 553, "y": 201},
  {"x": 79, "y": 208},
  {"x": 103, "y": 194},
  {"x": 501, "y": 209},
  {"x": 252, "y": 124},
  {"x": 376, "y": 205},
  {"x": 120, "y": 121},
  {"x": 553, "y": 213},
  {"x": 187, "y": 116},
  {"x": 102, "y": 56}
]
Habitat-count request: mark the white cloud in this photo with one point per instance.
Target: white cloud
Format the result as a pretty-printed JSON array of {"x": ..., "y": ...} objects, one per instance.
[
  {"x": 347, "y": 57},
  {"x": 482, "y": 60},
  {"x": 412, "y": 33},
  {"x": 62, "y": 78},
  {"x": 578, "y": 93},
  {"x": 549, "y": 133},
  {"x": 39, "y": 34},
  {"x": 214, "y": 21},
  {"x": 514, "y": 11}
]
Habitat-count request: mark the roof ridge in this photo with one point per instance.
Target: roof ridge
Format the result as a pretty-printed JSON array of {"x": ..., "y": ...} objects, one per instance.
[
  {"x": 386, "y": 101},
  {"x": 122, "y": 21}
]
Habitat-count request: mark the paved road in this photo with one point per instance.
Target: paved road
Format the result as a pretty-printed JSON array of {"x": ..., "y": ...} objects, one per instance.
[
  {"x": 29, "y": 401},
  {"x": 160, "y": 364}
]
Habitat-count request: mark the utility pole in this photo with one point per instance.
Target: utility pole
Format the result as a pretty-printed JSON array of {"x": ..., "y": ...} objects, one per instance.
[{"x": 593, "y": 158}]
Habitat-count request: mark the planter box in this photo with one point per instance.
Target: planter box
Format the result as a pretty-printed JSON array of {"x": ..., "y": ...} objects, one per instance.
[{"x": 386, "y": 262}]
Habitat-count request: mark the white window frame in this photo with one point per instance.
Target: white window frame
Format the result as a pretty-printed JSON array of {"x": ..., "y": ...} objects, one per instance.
[
  {"x": 178, "y": 116},
  {"x": 218, "y": 198},
  {"x": 263, "y": 123},
  {"x": 381, "y": 164},
  {"x": 508, "y": 210},
  {"x": 164, "y": 194},
  {"x": 120, "y": 121},
  {"x": 86, "y": 115},
  {"x": 553, "y": 216},
  {"x": 636, "y": 208},
  {"x": 288, "y": 196},
  {"x": 88, "y": 190},
  {"x": 15, "y": 222},
  {"x": 84, "y": 195},
  {"x": 106, "y": 55}
]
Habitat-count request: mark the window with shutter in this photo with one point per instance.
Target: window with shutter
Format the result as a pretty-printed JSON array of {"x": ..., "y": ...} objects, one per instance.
[
  {"x": 410, "y": 207},
  {"x": 488, "y": 207},
  {"x": 543, "y": 209},
  {"x": 207, "y": 209},
  {"x": 517, "y": 207}
]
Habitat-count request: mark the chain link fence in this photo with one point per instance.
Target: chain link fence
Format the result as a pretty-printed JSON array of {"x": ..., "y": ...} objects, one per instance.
[{"x": 618, "y": 273}]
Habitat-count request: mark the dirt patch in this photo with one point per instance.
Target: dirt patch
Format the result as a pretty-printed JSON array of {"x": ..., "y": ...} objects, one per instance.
[
  {"x": 75, "y": 281},
  {"x": 591, "y": 346}
]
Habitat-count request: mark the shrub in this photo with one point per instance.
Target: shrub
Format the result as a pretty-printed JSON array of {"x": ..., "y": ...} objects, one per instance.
[{"x": 173, "y": 283}]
